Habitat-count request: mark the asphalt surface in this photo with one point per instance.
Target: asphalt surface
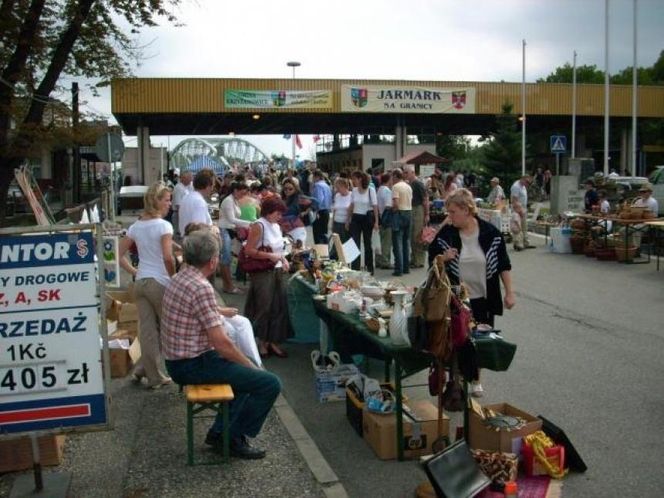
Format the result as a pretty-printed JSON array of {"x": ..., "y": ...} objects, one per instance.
[{"x": 590, "y": 358}]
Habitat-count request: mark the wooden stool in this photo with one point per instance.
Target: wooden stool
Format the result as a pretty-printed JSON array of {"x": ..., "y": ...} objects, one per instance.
[{"x": 214, "y": 397}]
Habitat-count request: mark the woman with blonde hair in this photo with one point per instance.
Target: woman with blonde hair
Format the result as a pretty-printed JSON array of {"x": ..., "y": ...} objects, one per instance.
[
  {"x": 475, "y": 255},
  {"x": 153, "y": 237}
]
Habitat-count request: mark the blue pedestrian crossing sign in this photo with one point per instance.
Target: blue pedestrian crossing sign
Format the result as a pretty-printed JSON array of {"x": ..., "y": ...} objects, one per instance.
[{"x": 558, "y": 143}]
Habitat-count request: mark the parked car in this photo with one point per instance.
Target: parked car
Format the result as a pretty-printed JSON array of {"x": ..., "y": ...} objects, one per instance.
[{"x": 657, "y": 180}]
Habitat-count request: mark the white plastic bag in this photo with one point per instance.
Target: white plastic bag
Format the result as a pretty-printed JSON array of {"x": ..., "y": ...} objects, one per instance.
[{"x": 375, "y": 242}]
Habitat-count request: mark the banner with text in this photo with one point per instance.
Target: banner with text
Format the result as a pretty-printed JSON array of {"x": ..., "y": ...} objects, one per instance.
[
  {"x": 270, "y": 99},
  {"x": 407, "y": 99},
  {"x": 50, "y": 363}
]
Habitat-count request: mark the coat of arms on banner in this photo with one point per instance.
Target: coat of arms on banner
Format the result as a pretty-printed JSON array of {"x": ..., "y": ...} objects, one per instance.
[
  {"x": 359, "y": 96},
  {"x": 279, "y": 98},
  {"x": 458, "y": 100}
]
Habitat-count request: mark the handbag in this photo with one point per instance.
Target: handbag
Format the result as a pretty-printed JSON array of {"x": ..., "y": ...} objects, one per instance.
[
  {"x": 254, "y": 265},
  {"x": 460, "y": 316},
  {"x": 432, "y": 299}
]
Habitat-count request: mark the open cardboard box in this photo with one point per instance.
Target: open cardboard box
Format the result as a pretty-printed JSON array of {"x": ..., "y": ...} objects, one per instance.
[
  {"x": 482, "y": 437},
  {"x": 380, "y": 431},
  {"x": 120, "y": 307}
]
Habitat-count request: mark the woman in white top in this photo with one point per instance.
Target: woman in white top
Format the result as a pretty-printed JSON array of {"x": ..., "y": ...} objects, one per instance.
[
  {"x": 384, "y": 195},
  {"x": 229, "y": 220},
  {"x": 153, "y": 237},
  {"x": 364, "y": 217},
  {"x": 340, "y": 209},
  {"x": 267, "y": 302}
]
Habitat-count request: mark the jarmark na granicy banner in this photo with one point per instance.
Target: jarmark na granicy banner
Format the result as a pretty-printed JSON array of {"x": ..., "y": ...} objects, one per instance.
[
  {"x": 407, "y": 99},
  {"x": 271, "y": 99}
]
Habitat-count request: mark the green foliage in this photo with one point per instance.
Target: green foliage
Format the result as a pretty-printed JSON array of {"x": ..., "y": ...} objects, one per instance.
[
  {"x": 653, "y": 75},
  {"x": 452, "y": 147},
  {"x": 501, "y": 151},
  {"x": 43, "y": 41}
]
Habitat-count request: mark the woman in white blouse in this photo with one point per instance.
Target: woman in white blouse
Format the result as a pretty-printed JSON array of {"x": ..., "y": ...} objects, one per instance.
[
  {"x": 153, "y": 237},
  {"x": 364, "y": 217},
  {"x": 340, "y": 209},
  {"x": 384, "y": 201},
  {"x": 229, "y": 220}
]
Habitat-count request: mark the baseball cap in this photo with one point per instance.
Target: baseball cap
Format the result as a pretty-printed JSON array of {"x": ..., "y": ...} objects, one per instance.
[{"x": 646, "y": 187}]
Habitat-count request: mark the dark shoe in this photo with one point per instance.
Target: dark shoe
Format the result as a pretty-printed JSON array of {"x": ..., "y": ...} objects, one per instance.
[
  {"x": 241, "y": 448},
  {"x": 530, "y": 247},
  {"x": 214, "y": 439},
  {"x": 517, "y": 248},
  {"x": 396, "y": 274},
  {"x": 406, "y": 272}
]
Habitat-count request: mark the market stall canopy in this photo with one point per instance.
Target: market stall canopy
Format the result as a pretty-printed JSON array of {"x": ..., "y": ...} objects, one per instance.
[{"x": 418, "y": 157}]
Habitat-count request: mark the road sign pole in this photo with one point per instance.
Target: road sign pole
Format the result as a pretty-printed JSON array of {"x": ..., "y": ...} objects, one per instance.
[
  {"x": 111, "y": 214},
  {"x": 557, "y": 163}
]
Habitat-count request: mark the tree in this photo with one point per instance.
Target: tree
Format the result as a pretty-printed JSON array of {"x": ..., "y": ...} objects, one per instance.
[
  {"x": 452, "y": 147},
  {"x": 44, "y": 40},
  {"x": 502, "y": 149},
  {"x": 584, "y": 74}
]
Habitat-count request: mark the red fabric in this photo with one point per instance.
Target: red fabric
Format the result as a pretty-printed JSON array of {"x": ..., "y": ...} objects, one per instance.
[{"x": 298, "y": 142}]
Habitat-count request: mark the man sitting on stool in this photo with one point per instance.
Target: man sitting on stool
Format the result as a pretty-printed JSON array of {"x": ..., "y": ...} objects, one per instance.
[{"x": 198, "y": 350}]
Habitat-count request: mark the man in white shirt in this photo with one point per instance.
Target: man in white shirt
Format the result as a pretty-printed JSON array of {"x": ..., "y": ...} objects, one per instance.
[
  {"x": 194, "y": 207},
  {"x": 646, "y": 199},
  {"x": 519, "y": 200},
  {"x": 181, "y": 190}
]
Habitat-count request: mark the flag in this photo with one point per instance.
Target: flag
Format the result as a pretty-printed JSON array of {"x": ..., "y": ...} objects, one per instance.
[
  {"x": 316, "y": 138},
  {"x": 298, "y": 142},
  {"x": 287, "y": 137}
]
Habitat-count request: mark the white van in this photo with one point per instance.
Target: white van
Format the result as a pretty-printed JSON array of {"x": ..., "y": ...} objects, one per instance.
[{"x": 657, "y": 180}]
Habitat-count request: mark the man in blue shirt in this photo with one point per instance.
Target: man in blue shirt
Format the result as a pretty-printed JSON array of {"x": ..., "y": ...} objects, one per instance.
[{"x": 322, "y": 193}]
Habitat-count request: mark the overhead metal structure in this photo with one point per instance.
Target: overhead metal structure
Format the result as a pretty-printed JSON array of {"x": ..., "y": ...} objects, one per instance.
[{"x": 221, "y": 151}]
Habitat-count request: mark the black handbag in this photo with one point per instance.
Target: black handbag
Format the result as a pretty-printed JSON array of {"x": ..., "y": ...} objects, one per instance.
[{"x": 454, "y": 473}]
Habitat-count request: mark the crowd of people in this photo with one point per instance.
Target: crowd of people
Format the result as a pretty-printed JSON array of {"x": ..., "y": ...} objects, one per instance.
[{"x": 188, "y": 338}]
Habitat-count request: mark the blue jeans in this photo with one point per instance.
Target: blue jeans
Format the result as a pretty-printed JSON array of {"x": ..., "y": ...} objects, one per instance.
[
  {"x": 255, "y": 390},
  {"x": 401, "y": 241}
]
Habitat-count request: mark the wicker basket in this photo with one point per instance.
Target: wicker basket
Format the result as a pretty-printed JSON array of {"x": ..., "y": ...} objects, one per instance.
[
  {"x": 623, "y": 254},
  {"x": 577, "y": 244},
  {"x": 605, "y": 254}
]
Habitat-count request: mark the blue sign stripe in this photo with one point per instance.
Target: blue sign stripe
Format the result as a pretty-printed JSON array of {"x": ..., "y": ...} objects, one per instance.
[{"x": 29, "y": 251}]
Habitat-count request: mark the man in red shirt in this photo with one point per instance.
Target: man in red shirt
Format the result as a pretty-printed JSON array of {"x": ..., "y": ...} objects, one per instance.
[{"x": 198, "y": 350}]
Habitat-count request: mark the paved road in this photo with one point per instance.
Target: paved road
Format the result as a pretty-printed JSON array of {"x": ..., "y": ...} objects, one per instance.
[{"x": 590, "y": 358}]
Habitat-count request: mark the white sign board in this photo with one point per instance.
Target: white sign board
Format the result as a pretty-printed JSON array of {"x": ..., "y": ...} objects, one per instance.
[
  {"x": 50, "y": 363},
  {"x": 407, "y": 99}
]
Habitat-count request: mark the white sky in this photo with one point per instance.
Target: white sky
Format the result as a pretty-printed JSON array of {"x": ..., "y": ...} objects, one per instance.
[{"x": 471, "y": 40}]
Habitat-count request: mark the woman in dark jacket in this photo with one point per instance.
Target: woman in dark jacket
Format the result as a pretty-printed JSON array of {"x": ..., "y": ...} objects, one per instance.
[{"x": 475, "y": 255}]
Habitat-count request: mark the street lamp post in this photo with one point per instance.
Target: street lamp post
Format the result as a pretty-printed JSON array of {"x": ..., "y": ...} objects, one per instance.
[{"x": 293, "y": 64}]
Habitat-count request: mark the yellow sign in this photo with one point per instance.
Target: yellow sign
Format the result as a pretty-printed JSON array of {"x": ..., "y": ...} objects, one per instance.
[
  {"x": 407, "y": 99},
  {"x": 271, "y": 99}
]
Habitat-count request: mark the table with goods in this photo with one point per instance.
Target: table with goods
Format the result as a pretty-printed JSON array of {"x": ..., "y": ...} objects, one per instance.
[
  {"x": 371, "y": 318},
  {"x": 591, "y": 234}
]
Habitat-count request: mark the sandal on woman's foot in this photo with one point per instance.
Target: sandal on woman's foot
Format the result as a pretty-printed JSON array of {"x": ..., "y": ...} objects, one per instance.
[
  {"x": 163, "y": 382},
  {"x": 234, "y": 290},
  {"x": 278, "y": 352}
]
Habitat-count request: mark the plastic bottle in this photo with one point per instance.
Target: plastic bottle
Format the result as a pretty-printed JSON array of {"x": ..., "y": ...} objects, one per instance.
[{"x": 511, "y": 490}]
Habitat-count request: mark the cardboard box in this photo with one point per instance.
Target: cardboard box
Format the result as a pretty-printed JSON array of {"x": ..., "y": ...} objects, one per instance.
[
  {"x": 16, "y": 454},
  {"x": 120, "y": 307},
  {"x": 120, "y": 362},
  {"x": 482, "y": 437},
  {"x": 354, "y": 408},
  {"x": 380, "y": 431},
  {"x": 331, "y": 385}
]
